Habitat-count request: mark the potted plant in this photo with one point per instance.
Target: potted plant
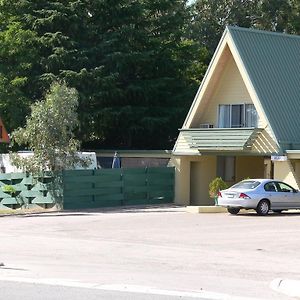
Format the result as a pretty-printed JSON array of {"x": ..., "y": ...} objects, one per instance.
[{"x": 215, "y": 186}]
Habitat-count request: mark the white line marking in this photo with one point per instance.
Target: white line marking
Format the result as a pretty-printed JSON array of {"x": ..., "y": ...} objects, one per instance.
[{"x": 127, "y": 288}]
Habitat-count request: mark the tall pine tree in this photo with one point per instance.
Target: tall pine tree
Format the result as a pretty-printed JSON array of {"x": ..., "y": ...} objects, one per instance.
[{"x": 130, "y": 60}]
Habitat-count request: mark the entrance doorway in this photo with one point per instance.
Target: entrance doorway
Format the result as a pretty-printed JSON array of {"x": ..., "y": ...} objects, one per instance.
[{"x": 201, "y": 173}]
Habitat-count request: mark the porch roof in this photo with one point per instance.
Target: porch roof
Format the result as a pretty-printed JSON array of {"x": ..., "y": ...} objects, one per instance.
[
  {"x": 293, "y": 154},
  {"x": 220, "y": 139}
]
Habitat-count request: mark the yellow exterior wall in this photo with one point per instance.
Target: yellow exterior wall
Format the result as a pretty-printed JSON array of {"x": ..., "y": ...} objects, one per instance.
[
  {"x": 191, "y": 184},
  {"x": 230, "y": 89},
  {"x": 203, "y": 171},
  {"x": 182, "y": 179},
  {"x": 284, "y": 171},
  {"x": 249, "y": 166},
  {"x": 297, "y": 172}
]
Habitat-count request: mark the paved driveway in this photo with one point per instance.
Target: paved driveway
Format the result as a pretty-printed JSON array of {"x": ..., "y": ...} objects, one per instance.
[{"x": 161, "y": 248}]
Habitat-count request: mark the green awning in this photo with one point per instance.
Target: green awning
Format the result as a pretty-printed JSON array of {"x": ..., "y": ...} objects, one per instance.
[{"x": 221, "y": 139}]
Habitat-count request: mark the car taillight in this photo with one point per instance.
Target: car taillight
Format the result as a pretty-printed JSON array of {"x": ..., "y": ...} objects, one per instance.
[
  {"x": 219, "y": 194},
  {"x": 244, "y": 196}
]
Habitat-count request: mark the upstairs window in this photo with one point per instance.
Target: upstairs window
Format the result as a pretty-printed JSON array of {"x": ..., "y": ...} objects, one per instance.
[{"x": 237, "y": 116}]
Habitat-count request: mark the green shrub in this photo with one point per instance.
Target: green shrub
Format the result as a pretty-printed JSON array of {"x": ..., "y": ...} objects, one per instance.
[
  {"x": 9, "y": 189},
  {"x": 215, "y": 186}
]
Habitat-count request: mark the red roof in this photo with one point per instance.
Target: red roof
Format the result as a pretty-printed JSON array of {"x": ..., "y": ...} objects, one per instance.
[{"x": 4, "y": 137}]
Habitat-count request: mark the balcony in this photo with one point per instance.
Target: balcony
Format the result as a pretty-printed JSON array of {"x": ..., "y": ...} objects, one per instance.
[{"x": 219, "y": 139}]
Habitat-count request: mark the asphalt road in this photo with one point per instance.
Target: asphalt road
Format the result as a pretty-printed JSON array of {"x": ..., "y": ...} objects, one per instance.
[
  {"x": 164, "y": 249},
  {"x": 28, "y": 291}
]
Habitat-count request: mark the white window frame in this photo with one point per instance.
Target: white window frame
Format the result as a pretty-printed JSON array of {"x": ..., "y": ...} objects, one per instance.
[{"x": 230, "y": 115}]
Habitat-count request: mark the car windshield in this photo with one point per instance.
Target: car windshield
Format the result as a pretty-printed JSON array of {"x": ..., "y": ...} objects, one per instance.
[{"x": 249, "y": 184}]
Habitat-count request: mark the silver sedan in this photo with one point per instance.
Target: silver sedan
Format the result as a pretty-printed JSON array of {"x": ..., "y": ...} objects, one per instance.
[{"x": 262, "y": 195}]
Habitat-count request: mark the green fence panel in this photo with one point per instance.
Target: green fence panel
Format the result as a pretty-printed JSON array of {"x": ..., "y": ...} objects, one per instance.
[
  {"x": 107, "y": 172},
  {"x": 40, "y": 187},
  {"x": 115, "y": 187},
  {"x": 115, "y": 197},
  {"x": 160, "y": 181},
  {"x": 109, "y": 184},
  {"x": 161, "y": 170},
  {"x": 9, "y": 201},
  {"x": 90, "y": 188},
  {"x": 77, "y": 186},
  {"x": 131, "y": 201},
  {"x": 79, "y": 179},
  {"x": 79, "y": 192},
  {"x": 28, "y": 190},
  {"x": 5, "y": 176},
  {"x": 69, "y": 173},
  {"x": 162, "y": 193},
  {"x": 134, "y": 171}
]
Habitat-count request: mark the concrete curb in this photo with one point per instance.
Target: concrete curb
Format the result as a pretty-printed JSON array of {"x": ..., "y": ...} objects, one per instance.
[
  {"x": 205, "y": 209},
  {"x": 286, "y": 286}
]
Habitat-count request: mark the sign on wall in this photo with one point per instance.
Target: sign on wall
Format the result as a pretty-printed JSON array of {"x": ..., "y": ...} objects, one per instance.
[{"x": 279, "y": 158}]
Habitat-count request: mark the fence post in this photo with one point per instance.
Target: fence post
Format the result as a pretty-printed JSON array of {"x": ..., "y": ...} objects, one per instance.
[{"x": 122, "y": 187}]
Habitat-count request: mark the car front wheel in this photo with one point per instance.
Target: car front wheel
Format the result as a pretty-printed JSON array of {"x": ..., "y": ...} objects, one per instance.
[
  {"x": 263, "y": 208},
  {"x": 233, "y": 210}
]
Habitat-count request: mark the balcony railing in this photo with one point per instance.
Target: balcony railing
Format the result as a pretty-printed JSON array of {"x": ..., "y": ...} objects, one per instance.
[{"x": 212, "y": 139}]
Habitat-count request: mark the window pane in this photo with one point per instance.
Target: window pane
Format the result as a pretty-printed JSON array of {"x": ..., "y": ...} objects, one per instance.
[
  {"x": 250, "y": 184},
  {"x": 224, "y": 116},
  {"x": 270, "y": 187},
  {"x": 250, "y": 116},
  {"x": 237, "y": 116},
  {"x": 284, "y": 187}
]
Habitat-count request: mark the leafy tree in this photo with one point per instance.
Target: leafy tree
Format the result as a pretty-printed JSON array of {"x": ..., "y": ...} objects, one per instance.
[
  {"x": 49, "y": 132},
  {"x": 280, "y": 15},
  {"x": 134, "y": 68},
  {"x": 212, "y": 16},
  {"x": 17, "y": 56},
  {"x": 152, "y": 88}
]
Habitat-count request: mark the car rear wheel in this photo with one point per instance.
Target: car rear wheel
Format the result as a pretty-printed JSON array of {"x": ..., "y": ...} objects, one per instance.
[
  {"x": 233, "y": 210},
  {"x": 263, "y": 208}
]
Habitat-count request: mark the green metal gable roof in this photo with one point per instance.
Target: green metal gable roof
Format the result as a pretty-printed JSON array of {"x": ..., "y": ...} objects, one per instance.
[{"x": 272, "y": 61}]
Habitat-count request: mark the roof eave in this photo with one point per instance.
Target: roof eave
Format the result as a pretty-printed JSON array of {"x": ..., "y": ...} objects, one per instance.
[{"x": 211, "y": 67}]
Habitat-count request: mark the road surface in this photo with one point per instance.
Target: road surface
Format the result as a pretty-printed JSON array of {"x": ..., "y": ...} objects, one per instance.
[{"x": 162, "y": 248}]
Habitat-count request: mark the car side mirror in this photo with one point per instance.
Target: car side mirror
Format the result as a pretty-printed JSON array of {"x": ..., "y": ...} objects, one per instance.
[{"x": 296, "y": 191}]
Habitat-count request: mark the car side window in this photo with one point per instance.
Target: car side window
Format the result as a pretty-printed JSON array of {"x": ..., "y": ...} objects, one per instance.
[
  {"x": 282, "y": 187},
  {"x": 270, "y": 187}
]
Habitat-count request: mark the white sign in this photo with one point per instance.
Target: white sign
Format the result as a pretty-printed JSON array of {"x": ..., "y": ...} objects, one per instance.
[{"x": 279, "y": 158}]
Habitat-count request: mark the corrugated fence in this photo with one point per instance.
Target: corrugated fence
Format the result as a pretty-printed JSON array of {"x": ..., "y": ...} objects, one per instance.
[{"x": 117, "y": 187}]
